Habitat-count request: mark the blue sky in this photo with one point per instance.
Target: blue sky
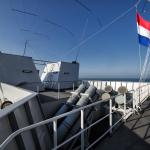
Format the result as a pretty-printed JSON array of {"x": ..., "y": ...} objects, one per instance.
[{"x": 112, "y": 53}]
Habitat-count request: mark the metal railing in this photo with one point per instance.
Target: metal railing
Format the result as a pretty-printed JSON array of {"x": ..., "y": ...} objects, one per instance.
[
  {"x": 141, "y": 90},
  {"x": 57, "y": 84},
  {"x": 80, "y": 133},
  {"x": 141, "y": 94},
  {"x": 82, "y": 127},
  {"x": 101, "y": 83}
]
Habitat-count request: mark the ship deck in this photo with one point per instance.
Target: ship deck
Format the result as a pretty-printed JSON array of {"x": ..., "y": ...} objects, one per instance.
[
  {"x": 133, "y": 134},
  {"x": 50, "y": 102},
  {"x": 48, "y": 96}
]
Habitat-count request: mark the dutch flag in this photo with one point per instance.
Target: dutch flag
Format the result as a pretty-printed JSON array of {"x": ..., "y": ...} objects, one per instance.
[{"x": 143, "y": 28}]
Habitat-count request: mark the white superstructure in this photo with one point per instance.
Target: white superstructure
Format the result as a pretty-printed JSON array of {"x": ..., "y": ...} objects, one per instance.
[
  {"x": 62, "y": 74},
  {"x": 19, "y": 71}
]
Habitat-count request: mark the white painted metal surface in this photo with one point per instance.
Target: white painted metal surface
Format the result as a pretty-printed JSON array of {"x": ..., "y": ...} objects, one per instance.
[
  {"x": 110, "y": 115},
  {"x": 19, "y": 71},
  {"x": 16, "y": 95},
  {"x": 55, "y": 132},
  {"x": 64, "y": 73},
  {"x": 141, "y": 90},
  {"x": 82, "y": 127}
]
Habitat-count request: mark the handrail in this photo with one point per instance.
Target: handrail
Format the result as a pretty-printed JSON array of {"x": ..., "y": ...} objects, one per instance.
[
  {"x": 53, "y": 82},
  {"x": 83, "y": 130},
  {"x": 19, "y": 131},
  {"x": 54, "y": 120},
  {"x": 45, "y": 61},
  {"x": 142, "y": 86},
  {"x": 104, "y": 133}
]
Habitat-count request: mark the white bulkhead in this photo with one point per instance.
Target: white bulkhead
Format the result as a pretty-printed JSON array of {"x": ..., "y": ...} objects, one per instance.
[{"x": 62, "y": 74}]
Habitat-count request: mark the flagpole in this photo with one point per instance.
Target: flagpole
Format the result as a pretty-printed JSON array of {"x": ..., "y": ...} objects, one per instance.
[
  {"x": 143, "y": 69},
  {"x": 145, "y": 63},
  {"x": 147, "y": 71},
  {"x": 140, "y": 59}
]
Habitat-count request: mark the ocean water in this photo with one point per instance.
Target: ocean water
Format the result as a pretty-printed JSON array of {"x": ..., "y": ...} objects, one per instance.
[{"x": 115, "y": 79}]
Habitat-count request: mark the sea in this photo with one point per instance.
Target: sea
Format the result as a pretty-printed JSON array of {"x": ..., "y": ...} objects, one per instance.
[{"x": 116, "y": 79}]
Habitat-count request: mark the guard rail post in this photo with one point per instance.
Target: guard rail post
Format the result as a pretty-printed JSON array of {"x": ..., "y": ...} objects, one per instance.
[
  {"x": 82, "y": 127},
  {"x": 73, "y": 87},
  {"x": 110, "y": 115},
  {"x": 55, "y": 133},
  {"x": 125, "y": 104},
  {"x": 58, "y": 90}
]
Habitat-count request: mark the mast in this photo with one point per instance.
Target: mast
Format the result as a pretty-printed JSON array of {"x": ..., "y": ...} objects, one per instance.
[{"x": 25, "y": 47}]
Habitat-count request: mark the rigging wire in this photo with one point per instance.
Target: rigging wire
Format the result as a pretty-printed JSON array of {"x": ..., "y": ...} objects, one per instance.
[
  {"x": 82, "y": 37},
  {"x": 144, "y": 70},
  {"x": 11, "y": 4},
  {"x": 46, "y": 20},
  {"x": 102, "y": 29},
  {"x": 146, "y": 67},
  {"x": 41, "y": 35},
  {"x": 83, "y": 5},
  {"x": 145, "y": 64},
  {"x": 35, "y": 33},
  {"x": 147, "y": 71},
  {"x": 25, "y": 47},
  {"x": 24, "y": 12},
  {"x": 59, "y": 26},
  {"x": 34, "y": 51},
  {"x": 90, "y": 11},
  {"x": 140, "y": 59},
  {"x": 25, "y": 30},
  {"x": 144, "y": 6},
  {"x": 139, "y": 47}
]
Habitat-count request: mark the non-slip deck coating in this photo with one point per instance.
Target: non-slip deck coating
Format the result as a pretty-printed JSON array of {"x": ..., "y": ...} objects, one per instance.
[{"x": 132, "y": 135}]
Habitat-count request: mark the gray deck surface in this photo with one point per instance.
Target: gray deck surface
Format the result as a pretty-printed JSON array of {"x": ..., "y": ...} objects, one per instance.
[
  {"x": 50, "y": 102},
  {"x": 132, "y": 135},
  {"x": 48, "y": 96}
]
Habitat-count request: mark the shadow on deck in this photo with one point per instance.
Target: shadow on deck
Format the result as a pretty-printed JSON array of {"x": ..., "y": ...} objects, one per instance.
[
  {"x": 50, "y": 102},
  {"x": 132, "y": 135}
]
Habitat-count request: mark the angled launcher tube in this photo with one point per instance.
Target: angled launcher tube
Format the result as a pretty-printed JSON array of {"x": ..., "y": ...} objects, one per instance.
[
  {"x": 72, "y": 100},
  {"x": 69, "y": 121},
  {"x": 109, "y": 93},
  {"x": 120, "y": 99},
  {"x": 76, "y": 126},
  {"x": 108, "y": 89}
]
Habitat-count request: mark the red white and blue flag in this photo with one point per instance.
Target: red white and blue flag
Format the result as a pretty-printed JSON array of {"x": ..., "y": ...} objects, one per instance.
[{"x": 143, "y": 27}]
